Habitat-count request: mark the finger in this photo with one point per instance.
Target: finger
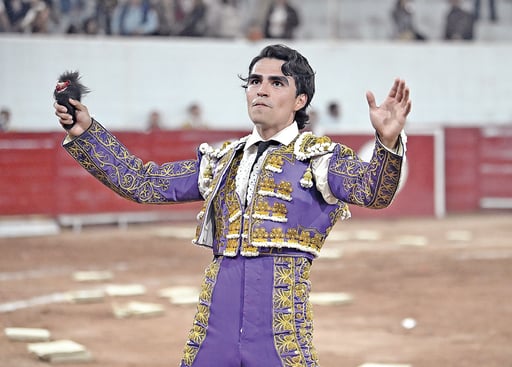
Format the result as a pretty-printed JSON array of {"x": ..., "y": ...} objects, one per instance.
[
  {"x": 64, "y": 115},
  {"x": 405, "y": 98},
  {"x": 408, "y": 108},
  {"x": 66, "y": 121},
  {"x": 400, "y": 91},
  {"x": 59, "y": 108},
  {"x": 371, "y": 100},
  {"x": 76, "y": 104},
  {"x": 394, "y": 88}
]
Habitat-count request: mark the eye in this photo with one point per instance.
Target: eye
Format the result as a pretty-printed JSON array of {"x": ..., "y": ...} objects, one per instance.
[
  {"x": 277, "y": 83},
  {"x": 253, "y": 81}
]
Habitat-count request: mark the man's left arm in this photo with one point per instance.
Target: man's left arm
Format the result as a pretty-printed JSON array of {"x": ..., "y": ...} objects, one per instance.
[{"x": 370, "y": 184}]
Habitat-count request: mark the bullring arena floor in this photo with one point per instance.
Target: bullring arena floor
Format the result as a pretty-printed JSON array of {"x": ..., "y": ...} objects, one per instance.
[{"x": 451, "y": 280}]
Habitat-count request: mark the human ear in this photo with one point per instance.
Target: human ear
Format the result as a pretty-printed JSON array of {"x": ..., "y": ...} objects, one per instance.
[{"x": 300, "y": 101}]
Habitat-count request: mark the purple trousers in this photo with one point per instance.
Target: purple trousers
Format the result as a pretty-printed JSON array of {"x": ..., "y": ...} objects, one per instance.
[{"x": 253, "y": 312}]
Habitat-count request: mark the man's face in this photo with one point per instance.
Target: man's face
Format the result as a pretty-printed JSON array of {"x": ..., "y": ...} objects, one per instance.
[{"x": 271, "y": 97}]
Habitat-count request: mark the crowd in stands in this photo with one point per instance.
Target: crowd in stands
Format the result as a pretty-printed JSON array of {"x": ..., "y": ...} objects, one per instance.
[
  {"x": 187, "y": 18},
  {"x": 459, "y": 22},
  {"x": 254, "y": 19}
]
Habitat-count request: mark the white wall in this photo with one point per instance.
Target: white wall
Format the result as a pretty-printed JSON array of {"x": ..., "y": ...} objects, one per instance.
[{"x": 456, "y": 83}]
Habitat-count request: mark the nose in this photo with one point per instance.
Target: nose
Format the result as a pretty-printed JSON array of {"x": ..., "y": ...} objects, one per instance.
[{"x": 262, "y": 91}]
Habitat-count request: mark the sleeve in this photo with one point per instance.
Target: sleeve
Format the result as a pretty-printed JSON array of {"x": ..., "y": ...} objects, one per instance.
[
  {"x": 104, "y": 157},
  {"x": 342, "y": 175}
]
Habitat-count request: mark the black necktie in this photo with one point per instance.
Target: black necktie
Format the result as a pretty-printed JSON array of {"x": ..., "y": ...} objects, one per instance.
[{"x": 262, "y": 146}]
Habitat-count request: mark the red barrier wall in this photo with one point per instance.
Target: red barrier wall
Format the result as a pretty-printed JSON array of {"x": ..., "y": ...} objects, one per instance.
[
  {"x": 39, "y": 177},
  {"x": 462, "y": 159},
  {"x": 28, "y": 169},
  {"x": 478, "y": 168},
  {"x": 416, "y": 197}
]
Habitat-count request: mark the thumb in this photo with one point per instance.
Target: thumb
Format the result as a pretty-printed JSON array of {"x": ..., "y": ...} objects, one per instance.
[{"x": 371, "y": 100}]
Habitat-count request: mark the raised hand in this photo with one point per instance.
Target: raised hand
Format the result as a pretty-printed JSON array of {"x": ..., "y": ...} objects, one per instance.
[{"x": 389, "y": 118}]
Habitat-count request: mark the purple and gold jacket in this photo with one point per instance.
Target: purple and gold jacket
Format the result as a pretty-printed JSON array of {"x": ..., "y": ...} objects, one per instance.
[{"x": 286, "y": 210}]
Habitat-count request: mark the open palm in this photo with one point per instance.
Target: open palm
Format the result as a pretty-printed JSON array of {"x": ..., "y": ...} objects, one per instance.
[{"x": 389, "y": 118}]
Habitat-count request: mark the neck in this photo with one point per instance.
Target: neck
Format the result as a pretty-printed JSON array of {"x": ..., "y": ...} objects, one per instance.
[{"x": 268, "y": 132}]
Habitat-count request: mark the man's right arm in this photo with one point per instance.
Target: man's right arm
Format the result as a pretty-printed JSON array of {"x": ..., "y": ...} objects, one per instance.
[{"x": 107, "y": 159}]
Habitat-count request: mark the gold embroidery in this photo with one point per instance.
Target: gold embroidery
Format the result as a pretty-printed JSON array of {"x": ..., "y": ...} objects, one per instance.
[
  {"x": 292, "y": 320},
  {"x": 129, "y": 175},
  {"x": 262, "y": 208},
  {"x": 198, "y": 331},
  {"x": 284, "y": 189},
  {"x": 267, "y": 184},
  {"x": 279, "y": 211},
  {"x": 259, "y": 235},
  {"x": 275, "y": 163},
  {"x": 277, "y": 236},
  {"x": 308, "y": 145},
  {"x": 383, "y": 173},
  {"x": 307, "y": 179}
]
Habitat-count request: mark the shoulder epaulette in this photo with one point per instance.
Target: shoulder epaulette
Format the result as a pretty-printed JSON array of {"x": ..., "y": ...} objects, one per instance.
[
  {"x": 309, "y": 145},
  {"x": 225, "y": 147}
]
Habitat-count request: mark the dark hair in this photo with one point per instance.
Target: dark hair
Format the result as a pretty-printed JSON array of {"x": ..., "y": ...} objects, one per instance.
[{"x": 296, "y": 66}]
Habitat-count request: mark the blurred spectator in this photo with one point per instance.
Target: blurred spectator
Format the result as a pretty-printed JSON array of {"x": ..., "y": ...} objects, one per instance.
[
  {"x": 42, "y": 22},
  {"x": 195, "y": 21},
  {"x": 194, "y": 118},
  {"x": 166, "y": 16},
  {"x": 223, "y": 19},
  {"x": 254, "y": 32},
  {"x": 104, "y": 14},
  {"x": 91, "y": 26},
  {"x": 281, "y": 20},
  {"x": 154, "y": 122},
  {"x": 403, "y": 20},
  {"x": 493, "y": 16},
  {"x": 24, "y": 15},
  {"x": 38, "y": 18},
  {"x": 459, "y": 23},
  {"x": 5, "y": 25},
  {"x": 16, "y": 10},
  {"x": 331, "y": 121},
  {"x": 71, "y": 15},
  {"x": 134, "y": 18},
  {"x": 333, "y": 116},
  {"x": 5, "y": 119}
]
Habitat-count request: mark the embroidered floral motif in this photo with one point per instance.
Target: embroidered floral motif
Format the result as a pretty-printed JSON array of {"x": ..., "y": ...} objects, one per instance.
[
  {"x": 198, "y": 331},
  {"x": 306, "y": 240},
  {"x": 292, "y": 316},
  {"x": 275, "y": 163},
  {"x": 382, "y": 173},
  {"x": 99, "y": 152},
  {"x": 283, "y": 190},
  {"x": 276, "y": 213},
  {"x": 227, "y": 204}
]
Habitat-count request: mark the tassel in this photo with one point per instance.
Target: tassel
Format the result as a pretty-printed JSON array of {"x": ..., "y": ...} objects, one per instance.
[{"x": 307, "y": 179}]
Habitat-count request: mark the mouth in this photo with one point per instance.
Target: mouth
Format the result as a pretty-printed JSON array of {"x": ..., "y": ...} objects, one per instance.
[{"x": 259, "y": 104}]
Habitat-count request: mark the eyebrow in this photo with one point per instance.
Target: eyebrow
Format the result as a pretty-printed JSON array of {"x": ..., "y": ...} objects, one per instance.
[{"x": 278, "y": 78}]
